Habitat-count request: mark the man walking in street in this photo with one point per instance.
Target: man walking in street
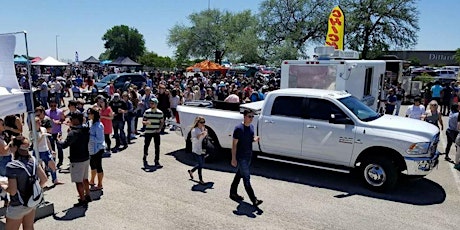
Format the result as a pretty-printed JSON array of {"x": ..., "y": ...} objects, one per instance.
[
  {"x": 243, "y": 136},
  {"x": 154, "y": 122}
]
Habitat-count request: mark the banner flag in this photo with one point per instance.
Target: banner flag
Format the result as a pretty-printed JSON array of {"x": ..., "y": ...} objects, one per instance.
[
  {"x": 7, "y": 71},
  {"x": 336, "y": 28},
  {"x": 76, "y": 56}
]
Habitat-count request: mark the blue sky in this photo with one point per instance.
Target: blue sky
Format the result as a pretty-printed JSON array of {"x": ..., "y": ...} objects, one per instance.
[{"x": 80, "y": 24}]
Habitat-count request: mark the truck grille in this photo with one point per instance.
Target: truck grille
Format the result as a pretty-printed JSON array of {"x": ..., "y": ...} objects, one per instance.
[{"x": 434, "y": 144}]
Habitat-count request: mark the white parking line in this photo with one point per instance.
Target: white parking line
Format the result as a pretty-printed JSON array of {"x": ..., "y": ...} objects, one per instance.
[{"x": 454, "y": 171}]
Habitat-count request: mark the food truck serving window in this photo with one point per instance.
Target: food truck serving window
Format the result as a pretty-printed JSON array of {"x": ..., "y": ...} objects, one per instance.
[
  {"x": 312, "y": 76},
  {"x": 368, "y": 81}
]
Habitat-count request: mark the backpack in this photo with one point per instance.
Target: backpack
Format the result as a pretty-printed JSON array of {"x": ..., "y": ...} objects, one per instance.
[{"x": 34, "y": 191}]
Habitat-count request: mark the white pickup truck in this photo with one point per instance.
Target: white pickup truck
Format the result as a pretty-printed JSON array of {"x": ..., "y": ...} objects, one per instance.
[{"x": 330, "y": 130}]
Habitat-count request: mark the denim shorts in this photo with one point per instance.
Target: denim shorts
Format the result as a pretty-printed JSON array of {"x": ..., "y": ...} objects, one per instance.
[
  {"x": 46, "y": 156},
  {"x": 3, "y": 162}
]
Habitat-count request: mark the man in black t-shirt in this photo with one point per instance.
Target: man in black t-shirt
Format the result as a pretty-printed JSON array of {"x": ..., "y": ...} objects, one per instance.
[{"x": 119, "y": 108}]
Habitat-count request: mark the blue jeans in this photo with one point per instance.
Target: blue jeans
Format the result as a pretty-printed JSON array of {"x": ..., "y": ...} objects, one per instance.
[
  {"x": 60, "y": 153},
  {"x": 44, "y": 102},
  {"x": 199, "y": 166},
  {"x": 242, "y": 171},
  {"x": 119, "y": 133}
]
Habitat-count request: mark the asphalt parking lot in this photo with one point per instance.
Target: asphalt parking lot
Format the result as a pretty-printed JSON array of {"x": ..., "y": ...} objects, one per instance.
[{"x": 144, "y": 197}]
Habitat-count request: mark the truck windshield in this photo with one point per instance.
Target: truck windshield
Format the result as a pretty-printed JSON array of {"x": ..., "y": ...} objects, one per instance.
[{"x": 362, "y": 111}]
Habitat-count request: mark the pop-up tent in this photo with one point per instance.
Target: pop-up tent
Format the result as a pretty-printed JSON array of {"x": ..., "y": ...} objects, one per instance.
[
  {"x": 207, "y": 66},
  {"x": 49, "y": 61},
  {"x": 12, "y": 98},
  {"x": 36, "y": 59},
  {"x": 91, "y": 60},
  {"x": 124, "y": 61},
  {"x": 13, "y": 101},
  {"x": 20, "y": 60}
]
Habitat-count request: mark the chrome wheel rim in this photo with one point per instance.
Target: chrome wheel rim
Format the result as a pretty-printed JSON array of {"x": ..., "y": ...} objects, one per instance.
[{"x": 375, "y": 175}]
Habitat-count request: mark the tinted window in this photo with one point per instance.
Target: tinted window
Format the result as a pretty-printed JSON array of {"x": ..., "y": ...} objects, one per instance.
[
  {"x": 288, "y": 106},
  {"x": 137, "y": 78},
  {"x": 121, "y": 79},
  {"x": 322, "y": 109}
]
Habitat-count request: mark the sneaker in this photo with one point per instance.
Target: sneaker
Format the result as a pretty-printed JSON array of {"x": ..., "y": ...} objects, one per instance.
[
  {"x": 115, "y": 150},
  {"x": 158, "y": 165},
  {"x": 59, "y": 165},
  {"x": 447, "y": 158},
  {"x": 257, "y": 202},
  {"x": 236, "y": 197}
]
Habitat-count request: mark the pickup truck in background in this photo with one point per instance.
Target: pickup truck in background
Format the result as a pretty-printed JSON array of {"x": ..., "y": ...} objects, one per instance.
[{"x": 330, "y": 130}]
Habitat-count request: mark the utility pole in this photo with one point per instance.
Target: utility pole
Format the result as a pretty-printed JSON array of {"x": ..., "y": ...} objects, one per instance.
[{"x": 57, "y": 52}]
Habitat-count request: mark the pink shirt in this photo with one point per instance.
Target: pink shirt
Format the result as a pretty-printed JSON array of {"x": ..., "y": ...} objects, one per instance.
[
  {"x": 232, "y": 98},
  {"x": 106, "y": 122}
]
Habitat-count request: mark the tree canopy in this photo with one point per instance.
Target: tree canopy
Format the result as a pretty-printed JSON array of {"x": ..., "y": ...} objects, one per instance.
[
  {"x": 123, "y": 41},
  {"x": 288, "y": 27},
  {"x": 230, "y": 34},
  {"x": 154, "y": 60},
  {"x": 457, "y": 56},
  {"x": 373, "y": 26}
]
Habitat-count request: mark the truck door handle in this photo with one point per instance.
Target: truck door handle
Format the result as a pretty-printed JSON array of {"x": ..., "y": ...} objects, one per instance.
[
  {"x": 269, "y": 121},
  {"x": 311, "y": 126}
]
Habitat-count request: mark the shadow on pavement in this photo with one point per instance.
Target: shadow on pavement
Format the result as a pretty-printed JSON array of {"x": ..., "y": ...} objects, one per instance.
[
  {"x": 202, "y": 187},
  {"x": 96, "y": 194},
  {"x": 246, "y": 209},
  {"x": 150, "y": 168},
  {"x": 416, "y": 192},
  {"x": 71, "y": 213}
]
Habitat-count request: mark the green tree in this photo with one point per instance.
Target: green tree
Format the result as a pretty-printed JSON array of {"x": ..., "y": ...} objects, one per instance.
[
  {"x": 457, "y": 56},
  {"x": 292, "y": 24},
  {"x": 232, "y": 34},
  {"x": 373, "y": 26},
  {"x": 154, "y": 60},
  {"x": 122, "y": 41}
]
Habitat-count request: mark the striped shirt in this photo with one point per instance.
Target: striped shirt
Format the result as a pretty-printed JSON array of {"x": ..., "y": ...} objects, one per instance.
[{"x": 155, "y": 118}]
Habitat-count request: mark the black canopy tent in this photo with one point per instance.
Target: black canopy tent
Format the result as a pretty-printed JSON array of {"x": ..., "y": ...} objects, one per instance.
[
  {"x": 124, "y": 61},
  {"x": 91, "y": 60}
]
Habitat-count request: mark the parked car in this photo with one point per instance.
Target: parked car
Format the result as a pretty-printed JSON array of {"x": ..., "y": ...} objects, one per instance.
[
  {"x": 442, "y": 73},
  {"x": 119, "y": 80}
]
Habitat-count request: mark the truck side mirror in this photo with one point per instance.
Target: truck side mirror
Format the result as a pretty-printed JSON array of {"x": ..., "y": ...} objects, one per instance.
[{"x": 337, "y": 118}]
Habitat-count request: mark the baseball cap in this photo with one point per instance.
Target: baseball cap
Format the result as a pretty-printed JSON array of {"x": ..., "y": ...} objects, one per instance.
[
  {"x": 154, "y": 100},
  {"x": 116, "y": 95}
]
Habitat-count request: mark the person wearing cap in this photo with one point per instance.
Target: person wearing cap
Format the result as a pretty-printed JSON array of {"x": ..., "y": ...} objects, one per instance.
[
  {"x": 119, "y": 108},
  {"x": 154, "y": 122}
]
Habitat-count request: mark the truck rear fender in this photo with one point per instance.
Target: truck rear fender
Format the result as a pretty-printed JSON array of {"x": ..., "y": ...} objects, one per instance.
[
  {"x": 383, "y": 152},
  {"x": 211, "y": 133}
]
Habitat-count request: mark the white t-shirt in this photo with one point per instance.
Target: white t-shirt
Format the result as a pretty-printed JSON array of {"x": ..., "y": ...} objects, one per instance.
[
  {"x": 197, "y": 146},
  {"x": 415, "y": 112},
  {"x": 43, "y": 142}
]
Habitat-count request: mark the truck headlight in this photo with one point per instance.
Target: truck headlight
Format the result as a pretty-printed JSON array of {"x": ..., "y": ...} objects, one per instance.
[{"x": 418, "y": 148}]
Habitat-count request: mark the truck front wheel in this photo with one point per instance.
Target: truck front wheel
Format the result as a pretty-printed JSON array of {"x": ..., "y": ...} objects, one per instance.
[{"x": 379, "y": 174}]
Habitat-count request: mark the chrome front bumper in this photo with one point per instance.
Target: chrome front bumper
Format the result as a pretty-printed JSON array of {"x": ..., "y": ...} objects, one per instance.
[{"x": 421, "y": 165}]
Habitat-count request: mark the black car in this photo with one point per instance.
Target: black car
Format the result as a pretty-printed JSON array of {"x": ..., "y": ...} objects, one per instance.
[{"x": 120, "y": 79}]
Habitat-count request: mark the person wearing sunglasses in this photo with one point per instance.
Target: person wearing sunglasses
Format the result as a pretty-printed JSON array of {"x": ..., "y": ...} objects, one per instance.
[
  {"x": 198, "y": 134},
  {"x": 243, "y": 136},
  {"x": 433, "y": 116}
]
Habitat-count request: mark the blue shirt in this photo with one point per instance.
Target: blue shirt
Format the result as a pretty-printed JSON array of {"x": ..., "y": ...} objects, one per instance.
[
  {"x": 436, "y": 91},
  {"x": 245, "y": 136},
  {"x": 96, "y": 138}
]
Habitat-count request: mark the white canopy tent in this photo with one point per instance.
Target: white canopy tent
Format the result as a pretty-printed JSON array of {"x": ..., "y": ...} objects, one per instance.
[
  {"x": 12, "y": 101},
  {"x": 50, "y": 61}
]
